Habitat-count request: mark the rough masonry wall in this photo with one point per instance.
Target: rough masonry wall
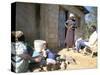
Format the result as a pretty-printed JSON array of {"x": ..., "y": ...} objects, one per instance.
[
  {"x": 49, "y": 24},
  {"x": 26, "y": 20},
  {"x": 40, "y": 21}
]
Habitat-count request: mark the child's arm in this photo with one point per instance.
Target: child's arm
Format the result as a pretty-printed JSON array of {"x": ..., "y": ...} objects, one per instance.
[
  {"x": 36, "y": 59},
  {"x": 44, "y": 53}
]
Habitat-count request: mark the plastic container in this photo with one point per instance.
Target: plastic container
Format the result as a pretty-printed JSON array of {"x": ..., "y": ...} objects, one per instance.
[{"x": 38, "y": 45}]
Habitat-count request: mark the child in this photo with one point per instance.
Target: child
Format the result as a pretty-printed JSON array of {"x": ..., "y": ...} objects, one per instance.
[
  {"x": 49, "y": 55},
  {"x": 40, "y": 56},
  {"x": 50, "y": 58}
]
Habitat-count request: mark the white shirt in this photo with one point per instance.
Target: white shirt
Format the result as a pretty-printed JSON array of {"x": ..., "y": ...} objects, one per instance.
[{"x": 92, "y": 39}]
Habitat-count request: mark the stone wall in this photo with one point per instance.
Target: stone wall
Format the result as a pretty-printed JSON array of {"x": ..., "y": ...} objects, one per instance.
[
  {"x": 41, "y": 21},
  {"x": 27, "y": 19},
  {"x": 49, "y": 24}
]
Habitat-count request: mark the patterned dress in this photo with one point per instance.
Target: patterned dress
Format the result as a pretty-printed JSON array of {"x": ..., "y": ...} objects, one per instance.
[
  {"x": 19, "y": 64},
  {"x": 70, "y": 33}
]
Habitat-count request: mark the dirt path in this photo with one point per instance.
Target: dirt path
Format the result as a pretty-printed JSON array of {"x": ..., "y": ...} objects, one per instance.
[{"x": 83, "y": 61}]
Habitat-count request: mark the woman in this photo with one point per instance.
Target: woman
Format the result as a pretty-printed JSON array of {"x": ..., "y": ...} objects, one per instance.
[
  {"x": 19, "y": 53},
  {"x": 70, "y": 25}
]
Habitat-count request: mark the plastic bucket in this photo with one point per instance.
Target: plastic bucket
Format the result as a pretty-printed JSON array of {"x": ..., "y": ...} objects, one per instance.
[{"x": 38, "y": 45}]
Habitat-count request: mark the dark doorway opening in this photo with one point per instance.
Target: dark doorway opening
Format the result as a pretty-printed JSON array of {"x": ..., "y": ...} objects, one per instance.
[
  {"x": 66, "y": 18},
  {"x": 63, "y": 15}
]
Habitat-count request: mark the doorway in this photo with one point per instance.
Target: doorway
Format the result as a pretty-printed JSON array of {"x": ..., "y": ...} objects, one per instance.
[{"x": 63, "y": 15}]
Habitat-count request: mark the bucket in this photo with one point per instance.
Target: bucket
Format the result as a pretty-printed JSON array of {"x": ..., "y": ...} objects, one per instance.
[{"x": 38, "y": 45}]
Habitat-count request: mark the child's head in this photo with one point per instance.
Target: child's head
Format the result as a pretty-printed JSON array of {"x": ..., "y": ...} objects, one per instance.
[{"x": 43, "y": 47}]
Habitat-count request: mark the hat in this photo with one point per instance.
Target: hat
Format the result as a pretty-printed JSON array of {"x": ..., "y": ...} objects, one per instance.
[
  {"x": 17, "y": 34},
  {"x": 71, "y": 15}
]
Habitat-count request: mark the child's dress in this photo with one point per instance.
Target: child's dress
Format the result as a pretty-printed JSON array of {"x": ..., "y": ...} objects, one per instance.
[{"x": 50, "y": 57}]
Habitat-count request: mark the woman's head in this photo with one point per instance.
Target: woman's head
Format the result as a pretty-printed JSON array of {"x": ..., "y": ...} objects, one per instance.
[
  {"x": 18, "y": 36},
  {"x": 21, "y": 38},
  {"x": 93, "y": 28},
  {"x": 71, "y": 16}
]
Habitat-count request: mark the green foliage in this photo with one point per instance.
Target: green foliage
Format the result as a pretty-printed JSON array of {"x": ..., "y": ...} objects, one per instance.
[{"x": 90, "y": 20}]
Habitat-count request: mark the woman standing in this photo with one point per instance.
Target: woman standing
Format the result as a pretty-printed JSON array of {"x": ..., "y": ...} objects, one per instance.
[{"x": 70, "y": 25}]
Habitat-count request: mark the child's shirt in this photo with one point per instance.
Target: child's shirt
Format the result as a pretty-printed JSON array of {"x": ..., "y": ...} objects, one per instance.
[
  {"x": 50, "y": 54},
  {"x": 35, "y": 53},
  {"x": 50, "y": 57}
]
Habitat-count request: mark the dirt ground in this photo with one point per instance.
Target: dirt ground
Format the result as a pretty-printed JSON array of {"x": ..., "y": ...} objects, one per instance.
[{"x": 83, "y": 61}]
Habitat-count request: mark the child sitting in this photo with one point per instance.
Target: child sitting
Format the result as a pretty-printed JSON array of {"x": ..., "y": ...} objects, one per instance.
[
  {"x": 51, "y": 58},
  {"x": 39, "y": 55}
]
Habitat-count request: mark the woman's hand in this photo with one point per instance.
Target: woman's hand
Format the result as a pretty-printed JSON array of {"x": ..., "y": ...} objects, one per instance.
[{"x": 70, "y": 27}]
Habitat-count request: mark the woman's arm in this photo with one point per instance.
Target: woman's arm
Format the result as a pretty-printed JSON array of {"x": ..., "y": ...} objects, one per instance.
[
  {"x": 25, "y": 56},
  {"x": 28, "y": 57},
  {"x": 66, "y": 25}
]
